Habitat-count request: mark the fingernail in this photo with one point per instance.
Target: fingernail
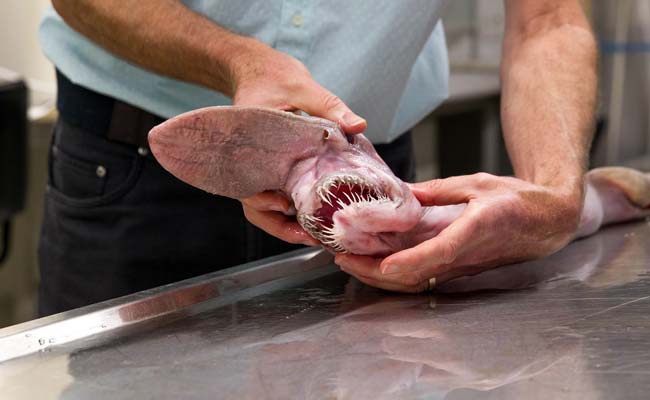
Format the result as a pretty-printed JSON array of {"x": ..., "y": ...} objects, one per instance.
[
  {"x": 391, "y": 269},
  {"x": 352, "y": 119}
]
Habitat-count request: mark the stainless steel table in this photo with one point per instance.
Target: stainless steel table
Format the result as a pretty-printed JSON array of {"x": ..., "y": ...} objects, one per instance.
[{"x": 572, "y": 326}]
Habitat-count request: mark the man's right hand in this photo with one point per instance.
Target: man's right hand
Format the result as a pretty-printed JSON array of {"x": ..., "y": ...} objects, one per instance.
[{"x": 265, "y": 77}]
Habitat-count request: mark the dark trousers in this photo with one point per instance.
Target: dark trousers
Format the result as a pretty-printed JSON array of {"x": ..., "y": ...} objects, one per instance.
[{"x": 116, "y": 222}]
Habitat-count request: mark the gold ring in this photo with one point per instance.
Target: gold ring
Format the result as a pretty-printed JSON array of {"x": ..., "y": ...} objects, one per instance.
[{"x": 431, "y": 284}]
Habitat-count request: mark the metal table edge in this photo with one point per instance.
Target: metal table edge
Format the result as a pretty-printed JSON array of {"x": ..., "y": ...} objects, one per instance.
[{"x": 36, "y": 335}]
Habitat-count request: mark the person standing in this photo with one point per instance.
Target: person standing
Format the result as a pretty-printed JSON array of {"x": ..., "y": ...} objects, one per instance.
[{"x": 115, "y": 222}]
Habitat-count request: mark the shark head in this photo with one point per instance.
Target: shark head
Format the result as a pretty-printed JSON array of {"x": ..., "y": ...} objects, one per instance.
[{"x": 344, "y": 194}]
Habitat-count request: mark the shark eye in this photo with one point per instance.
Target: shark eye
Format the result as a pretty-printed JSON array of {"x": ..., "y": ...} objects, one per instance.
[
  {"x": 352, "y": 139},
  {"x": 326, "y": 134}
]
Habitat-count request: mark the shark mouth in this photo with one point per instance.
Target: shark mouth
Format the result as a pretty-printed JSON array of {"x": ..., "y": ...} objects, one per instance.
[{"x": 337, "y": 193}]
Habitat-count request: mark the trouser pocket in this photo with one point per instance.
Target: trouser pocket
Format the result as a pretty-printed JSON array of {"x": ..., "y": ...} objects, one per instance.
[{"x": 88, "y": 171}]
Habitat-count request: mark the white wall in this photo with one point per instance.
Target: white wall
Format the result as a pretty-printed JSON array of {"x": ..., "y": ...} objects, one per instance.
[{"x": 19, "y": 49}]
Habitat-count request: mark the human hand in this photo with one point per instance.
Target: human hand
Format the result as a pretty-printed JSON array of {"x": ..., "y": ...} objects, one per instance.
[
  {"x": 265, "y": 77},
  {"x": 272, "y": 212},
  {"x": 506, "y": 220}
]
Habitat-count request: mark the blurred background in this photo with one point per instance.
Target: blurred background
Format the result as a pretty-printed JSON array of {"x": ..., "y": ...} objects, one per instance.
[{"x": 462, "y": 136}]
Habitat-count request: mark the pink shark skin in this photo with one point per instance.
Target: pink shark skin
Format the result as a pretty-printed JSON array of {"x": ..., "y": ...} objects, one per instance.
[{"x": 344, "y": 194}]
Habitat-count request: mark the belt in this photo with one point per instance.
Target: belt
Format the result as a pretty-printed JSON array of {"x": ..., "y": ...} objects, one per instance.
[{"x": 103, "y": 115}]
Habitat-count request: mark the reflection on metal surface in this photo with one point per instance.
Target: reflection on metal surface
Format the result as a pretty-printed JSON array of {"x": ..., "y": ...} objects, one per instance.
[
  {"x": 577, "y": 327},
  {"x": 29, "y": 337}
]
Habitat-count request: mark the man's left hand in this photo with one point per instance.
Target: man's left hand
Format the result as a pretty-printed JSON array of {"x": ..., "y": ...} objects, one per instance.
[{"x": 506, "y": 220}]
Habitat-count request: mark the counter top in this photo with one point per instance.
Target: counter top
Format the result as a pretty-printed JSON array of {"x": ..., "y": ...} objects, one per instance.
[{"x": 575, "y": 325}]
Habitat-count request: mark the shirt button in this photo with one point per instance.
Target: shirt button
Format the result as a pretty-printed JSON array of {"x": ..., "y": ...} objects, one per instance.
[
  {"x": 298, "y": 20},
  {"x": 101, "y": 171}
]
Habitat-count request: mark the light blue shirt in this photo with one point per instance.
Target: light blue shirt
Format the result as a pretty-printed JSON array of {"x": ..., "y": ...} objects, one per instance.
[{"x": 386, "y": 59}]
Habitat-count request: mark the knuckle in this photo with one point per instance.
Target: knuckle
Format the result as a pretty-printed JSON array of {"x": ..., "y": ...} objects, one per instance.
[
  {"x": 484, "y": 180},
  {"x": 411, "y": 280},
  {"x": 298, "y": 84},
  {"x": 448, "y": 251},
  {"x": 331, "y": 102},
  {"x": 483, "y": 176}
]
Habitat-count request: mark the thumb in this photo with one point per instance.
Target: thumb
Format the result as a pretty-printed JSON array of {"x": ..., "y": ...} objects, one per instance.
[
  {"x": 320, "y": 102},
  {"x": 442, "y": 192}
]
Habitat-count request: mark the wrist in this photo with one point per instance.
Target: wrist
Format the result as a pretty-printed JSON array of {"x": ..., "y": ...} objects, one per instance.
[
  {"x": 247, "y": 63},
  {"x": 568, "y": 190},
  {"x": 242, "y": 62},
  {"x": 563, "y": 179},
  {"x": 227, "y": 58},
  {"x": 568, "y": 185}
]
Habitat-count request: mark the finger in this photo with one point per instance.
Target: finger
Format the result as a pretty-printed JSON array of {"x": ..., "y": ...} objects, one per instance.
[
  {"x": 320, "y": 102},
  {"x": 459, "y": 271},
  {"x": 268, "y": 201},
  {"x": 366, "y": 269},
  {"x": 359, "y": 265},
  {"x": 279, "y": 225},
  {"x": 392, "y": 287},
  {"x": 441, "y": 192},
  {"x": 454, "y": 190},
  {"x": 435, "y": 256}
]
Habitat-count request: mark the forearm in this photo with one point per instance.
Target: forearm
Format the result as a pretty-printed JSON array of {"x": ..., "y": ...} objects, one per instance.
[
  {"x": 163, "y": 36},
  {"x": 548, "y": 98}
]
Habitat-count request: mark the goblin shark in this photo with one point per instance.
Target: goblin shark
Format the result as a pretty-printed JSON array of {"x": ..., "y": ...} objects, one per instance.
[{"x": 344, "y": 194}]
